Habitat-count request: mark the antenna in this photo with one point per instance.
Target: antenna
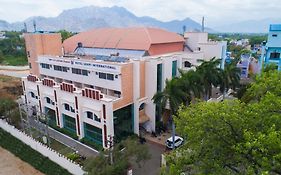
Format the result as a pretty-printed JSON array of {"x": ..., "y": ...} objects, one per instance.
[
  {"x": 25, "y": 27},
  {"x": 203, "y": 24},
  {"x": 34, "y": 25}
]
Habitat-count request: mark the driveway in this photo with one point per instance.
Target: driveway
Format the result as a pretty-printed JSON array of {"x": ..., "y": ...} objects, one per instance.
[{"x": 151, "y": 166}]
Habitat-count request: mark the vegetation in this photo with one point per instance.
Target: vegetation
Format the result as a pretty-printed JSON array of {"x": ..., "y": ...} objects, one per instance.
[
  {"x": 92, "y": 144},
  {"x": 65, "y": 34},
  {"x": 10, "y": 89},
  {"x": 126, "y": 151},
  {"x": 195, "y": 84},
  {"x": 27, "y": 154},
  {"x": 232, "y": 137},
  {"x": 12, "y": 49}
]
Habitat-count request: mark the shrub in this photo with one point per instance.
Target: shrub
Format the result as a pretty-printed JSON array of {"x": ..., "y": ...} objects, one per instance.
[{"x": 27, "y": 154}]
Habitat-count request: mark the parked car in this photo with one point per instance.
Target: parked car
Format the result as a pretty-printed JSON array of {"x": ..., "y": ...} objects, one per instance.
[{"x": 178, "y": 142}]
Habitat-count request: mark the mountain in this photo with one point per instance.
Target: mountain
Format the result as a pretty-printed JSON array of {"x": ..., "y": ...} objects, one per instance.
[
  {"x": 249, "y": 26},
  {"x": 80, "y": 19}
]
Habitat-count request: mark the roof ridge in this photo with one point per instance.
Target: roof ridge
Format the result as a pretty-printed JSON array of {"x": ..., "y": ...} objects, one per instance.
[{"x": 148, "y": 35}]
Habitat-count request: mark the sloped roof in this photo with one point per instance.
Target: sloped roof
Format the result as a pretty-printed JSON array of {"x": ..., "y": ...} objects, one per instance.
[{"x": 137, "y": 38}]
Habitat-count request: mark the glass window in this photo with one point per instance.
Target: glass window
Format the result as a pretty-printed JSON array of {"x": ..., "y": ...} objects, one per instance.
[
  {"x": 85, "y": 72},
  {"x": 110, "y": 76},
  {"x": 275, "y": 55},
  {"x": 57, "y": 68},
  {"x": 174, "y": 68},
  {"x": 67, "y": 107},
  {"x": 48, "y": 100},
  {"x": 187, "y": 64},
  {"x": 89, "y": 115},
  {"x": 102, "y": 75},
  {"x": 64, "y": 69},
  {"x": 97, "y": 118}
]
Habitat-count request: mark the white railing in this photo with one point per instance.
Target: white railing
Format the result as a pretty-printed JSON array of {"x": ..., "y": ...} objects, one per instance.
[{"x": 56, "y": 157}]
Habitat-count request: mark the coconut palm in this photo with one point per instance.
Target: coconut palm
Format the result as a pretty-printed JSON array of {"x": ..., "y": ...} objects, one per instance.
[
  {"x": 170, "y": 99},
  {"x": 191, "y": 83},
  {"x": 210, "y": 74},
  {"x": 230, "y": 77}
]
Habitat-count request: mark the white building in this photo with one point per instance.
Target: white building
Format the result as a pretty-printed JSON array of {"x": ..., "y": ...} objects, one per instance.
[{"x": 103, "y": 82}]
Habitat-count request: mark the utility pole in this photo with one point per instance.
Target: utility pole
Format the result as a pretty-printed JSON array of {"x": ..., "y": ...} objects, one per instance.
[
  {"x": 203, "y": 24},
  {"x": 110, "y": 142}
]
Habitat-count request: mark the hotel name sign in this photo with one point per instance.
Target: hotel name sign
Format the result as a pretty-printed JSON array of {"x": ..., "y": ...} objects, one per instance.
[{"x": 80, "y": 63}]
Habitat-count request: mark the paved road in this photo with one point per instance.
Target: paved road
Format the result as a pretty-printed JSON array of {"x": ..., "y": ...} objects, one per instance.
[
  {"x": 18, "y": 74},
  {"x": 152, "y": 166}
]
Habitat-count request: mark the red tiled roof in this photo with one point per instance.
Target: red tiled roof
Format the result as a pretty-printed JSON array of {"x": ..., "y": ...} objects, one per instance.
[{"x": 139, "y": 38}]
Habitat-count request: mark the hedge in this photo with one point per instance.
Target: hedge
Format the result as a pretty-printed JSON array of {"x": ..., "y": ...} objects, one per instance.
[{"x": 29, "y": 155}]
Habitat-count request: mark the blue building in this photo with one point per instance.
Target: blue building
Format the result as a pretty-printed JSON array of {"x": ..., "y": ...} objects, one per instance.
[{"x": 271, "y": 51}]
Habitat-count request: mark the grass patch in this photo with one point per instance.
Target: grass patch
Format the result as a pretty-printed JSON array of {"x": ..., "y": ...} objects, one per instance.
[
  {"x": 14, "y": 60},
  {"x": 29, "y": 155}
]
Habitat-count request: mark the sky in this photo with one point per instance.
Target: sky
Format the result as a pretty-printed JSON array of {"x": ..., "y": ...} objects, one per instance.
[{"x": 216, "y": 12}]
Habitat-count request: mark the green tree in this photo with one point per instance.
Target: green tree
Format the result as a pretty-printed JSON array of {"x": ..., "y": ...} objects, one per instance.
[
  {"x": 129, "y": 150},
  {"x": 230, "y": 137},
  {"x": 191, "y": 82},
  {"x": 230, "y": 77},
  {"x": 269, "y": 81},
  {"x": 65, "y": 34},
  {"x": 210, "y": 74},
  {"x": 170, "y": 99}
]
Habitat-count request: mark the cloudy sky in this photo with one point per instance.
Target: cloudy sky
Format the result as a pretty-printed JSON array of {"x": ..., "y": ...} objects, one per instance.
[{"x": 216, "y": 12}]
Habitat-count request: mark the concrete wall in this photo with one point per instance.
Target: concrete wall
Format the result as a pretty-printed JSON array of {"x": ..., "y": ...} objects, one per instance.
[
  {"x": 41, "y": 44},
  {"x": 56, "y": 157}
]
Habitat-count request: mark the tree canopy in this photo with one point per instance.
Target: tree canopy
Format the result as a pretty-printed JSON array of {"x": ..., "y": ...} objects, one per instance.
[{"x": 232, "y": 137}]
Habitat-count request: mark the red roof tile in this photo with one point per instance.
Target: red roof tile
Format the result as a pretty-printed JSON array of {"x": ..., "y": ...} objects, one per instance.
[{"x": 139, "y": 38}]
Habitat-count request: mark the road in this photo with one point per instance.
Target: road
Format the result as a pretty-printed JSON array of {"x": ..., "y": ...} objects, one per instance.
[
  {"x": 152, "y": 166},
  {"x": 18, "y": 74}
]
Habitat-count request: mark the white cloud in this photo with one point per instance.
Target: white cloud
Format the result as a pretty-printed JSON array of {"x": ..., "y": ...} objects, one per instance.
[{"x": 217, "y": 12}]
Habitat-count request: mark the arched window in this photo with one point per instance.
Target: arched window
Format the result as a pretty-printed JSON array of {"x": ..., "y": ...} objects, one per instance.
[
  {"x": 92, "y": 116},
  {"x": 66, "y": 107},
  {"x": 187, "y": 64},
  {"x": 48, "y": 100},
  {"x": 32, "y": 95},
  {"x": 141, "y": 107}
]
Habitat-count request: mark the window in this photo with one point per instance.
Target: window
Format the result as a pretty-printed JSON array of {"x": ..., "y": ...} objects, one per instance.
[
  {"x": 110, "y": 76},
  {"x": 141, "y": 107},
  {"x": 102, "y": 75},
  {"x": 85, "y": 72},
  {"x": 64, "y": 69},
  {"x": 67, "y": 107},
  {"x": 174, "y": 68},
  {"x": 97, "y": 118},
  {"x": 275, "y": 55},
  {"x": 274, "y": 35},
  {"x": 72, "y": 110},
  {"x": 29, "y": 64},
  {"x": 32, "y": 95},
  {"x": 28, "y": 54},
  {"x": 57, "y": 68},
  {"x": 89, "y": 115},
  {"x": 187, "y": 64},
  {"x": 79, "y": 71},
  {"x": 48, "y": 100},
  {"x": 45, "y": 66}
]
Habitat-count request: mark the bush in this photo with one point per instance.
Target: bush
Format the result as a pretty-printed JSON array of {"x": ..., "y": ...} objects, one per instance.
[
  {"x": 92, "y": 144},
  {"x": 27, "y": 154}
]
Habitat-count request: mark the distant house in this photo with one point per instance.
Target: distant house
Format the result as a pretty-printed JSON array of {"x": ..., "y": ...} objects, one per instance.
[
  {"x": 272, "y": 49},
  {"x": 244, "y": 65},
  {"x": 2, "y": 35}
]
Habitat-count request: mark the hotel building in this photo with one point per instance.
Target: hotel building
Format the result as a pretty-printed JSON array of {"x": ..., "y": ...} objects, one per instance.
[{"x": 100, "y": 83}]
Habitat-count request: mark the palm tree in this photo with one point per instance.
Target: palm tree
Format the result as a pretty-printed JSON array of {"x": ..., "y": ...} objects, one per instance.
[
  {"x": 170, "y": 99},
  {"x": 230, "y": 77},
  {"x": 191, "y": 83},
  {"x": 210, "y": 74}
]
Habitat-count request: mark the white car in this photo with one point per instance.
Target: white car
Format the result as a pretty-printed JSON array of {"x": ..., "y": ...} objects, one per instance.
[{"x": 178, "y": 142}]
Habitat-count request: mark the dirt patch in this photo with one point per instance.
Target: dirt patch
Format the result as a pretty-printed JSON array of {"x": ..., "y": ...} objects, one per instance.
[
  {"x": 12, "y": 165},
  {"x": 10, "y": 87}
]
